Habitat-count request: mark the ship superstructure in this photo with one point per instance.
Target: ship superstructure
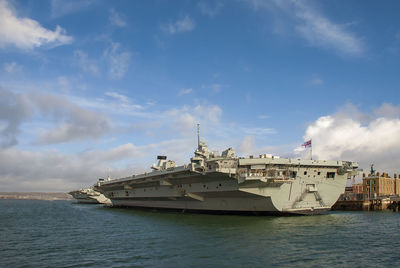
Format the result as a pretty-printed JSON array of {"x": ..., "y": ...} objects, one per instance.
[
  {"x": 227, "y": 183},
  {"x": 89, "y": 196}
]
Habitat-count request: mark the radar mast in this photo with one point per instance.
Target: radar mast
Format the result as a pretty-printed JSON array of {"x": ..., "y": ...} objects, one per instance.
[{"x": 198, "y": 135}]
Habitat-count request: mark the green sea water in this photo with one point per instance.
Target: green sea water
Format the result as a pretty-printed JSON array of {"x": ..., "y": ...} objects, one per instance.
[{"x": 66, "y": 234}]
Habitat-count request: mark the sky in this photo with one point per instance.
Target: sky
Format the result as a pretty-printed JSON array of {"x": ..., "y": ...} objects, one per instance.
[{"x": 96, "y": 88}]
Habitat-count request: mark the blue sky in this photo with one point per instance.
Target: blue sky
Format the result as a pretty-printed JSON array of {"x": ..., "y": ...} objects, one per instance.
[{"x": 90, "y": 86}]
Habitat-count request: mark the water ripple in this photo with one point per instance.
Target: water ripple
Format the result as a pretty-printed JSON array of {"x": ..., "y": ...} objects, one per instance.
[{"x": 64, "y": 234}]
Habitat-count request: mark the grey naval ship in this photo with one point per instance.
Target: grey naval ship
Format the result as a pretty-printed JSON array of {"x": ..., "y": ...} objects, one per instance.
[
  {"x": 89, "y": 196},
  {"x": 228, "y": 184}
]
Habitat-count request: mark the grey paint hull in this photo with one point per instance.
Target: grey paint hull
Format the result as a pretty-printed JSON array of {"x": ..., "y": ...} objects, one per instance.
[
  {"x": 221, "y": 193},
  {"x": 87, "y": 201}
]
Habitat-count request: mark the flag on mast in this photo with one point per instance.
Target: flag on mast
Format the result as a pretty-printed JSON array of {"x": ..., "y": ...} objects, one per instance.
[{"x": 307, "y": 144}]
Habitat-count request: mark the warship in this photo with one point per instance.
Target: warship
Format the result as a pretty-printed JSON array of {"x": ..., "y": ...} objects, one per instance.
[
  {"x": 89, "y": 196},
  {"x": 228, "y": 184}
]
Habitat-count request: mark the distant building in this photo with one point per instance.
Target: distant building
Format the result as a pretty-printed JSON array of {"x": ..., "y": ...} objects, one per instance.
[
  {"x": 380, "y": 185},
  {"x": 376, "y": 192},
  {"x": 357, "y": 188}
]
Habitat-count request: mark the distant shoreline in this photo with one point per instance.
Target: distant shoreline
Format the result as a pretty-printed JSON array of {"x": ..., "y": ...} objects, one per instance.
[{"x": 35, "y": 196}]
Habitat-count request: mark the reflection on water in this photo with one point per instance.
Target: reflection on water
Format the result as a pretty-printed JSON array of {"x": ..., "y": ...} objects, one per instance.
[{"x": 56, "y": 234}]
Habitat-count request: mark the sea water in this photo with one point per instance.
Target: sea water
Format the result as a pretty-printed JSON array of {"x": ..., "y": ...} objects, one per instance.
[{"x": 66, "y": 234}]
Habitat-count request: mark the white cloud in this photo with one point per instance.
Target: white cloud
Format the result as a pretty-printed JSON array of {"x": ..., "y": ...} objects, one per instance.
[
  {"x": 76, "y": 123},
  {"x": 61, "y": 8},
  {"x": 211, "y": 11},
  {"x": 119, "y": 61},
  {"x": 22, "y": 170},
  {"x": 72, "y": 121},
  {"x": 11, "y": 67},
  {"x": 317, "y": 81},
  {"x": 25, "y": 33},
  {"x": 14, "y": 110},
  {"x": 180, "y": 26},
  {"x": 312, "y": 25},
  {"x": 185, "y": 91},
  {"x": 388, "y": 110},
  {"x": 123, "y": 102},
  {"x": 66, "y": 119},
  {"x": 321, "y": 32},
  {"x": 263, "y": 116},
  {"x": 117, "y": 96},
  {"x": 186, "y": 117},
  {"x": 259, "y": 131},
  {"x": 344, "y": 136},
  {"x": 247, "y": 146},
  {"x": 87, "y": 65},
  {"x": 215, "y": 88},
  {"x": 116, "y": 19},
  {"x": 63, "y": 83}
]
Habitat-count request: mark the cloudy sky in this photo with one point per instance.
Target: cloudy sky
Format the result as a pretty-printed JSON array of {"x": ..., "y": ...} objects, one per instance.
[{"x": 95, "y": 87}]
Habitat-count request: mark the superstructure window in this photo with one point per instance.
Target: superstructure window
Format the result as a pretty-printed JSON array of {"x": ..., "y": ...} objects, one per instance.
[
  {"x": 305, "y": 172},
  {"x": 330, "y": 175},
  {"x": 294, "y": 174}
]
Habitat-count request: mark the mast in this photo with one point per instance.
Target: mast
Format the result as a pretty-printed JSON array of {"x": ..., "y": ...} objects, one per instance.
[{"x": 198, "y": 135}]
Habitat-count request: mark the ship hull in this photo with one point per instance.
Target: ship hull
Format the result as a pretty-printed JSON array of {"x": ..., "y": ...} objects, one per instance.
[
  {"x": 86, "y": 201},
  {"x": 221, "y": 205},
  {"x": 221, "y": 194},
  {"x": 186, "y": 207}
]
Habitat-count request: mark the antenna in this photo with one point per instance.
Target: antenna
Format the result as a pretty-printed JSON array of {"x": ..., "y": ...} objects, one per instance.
[{"x": 198, "y": 135}]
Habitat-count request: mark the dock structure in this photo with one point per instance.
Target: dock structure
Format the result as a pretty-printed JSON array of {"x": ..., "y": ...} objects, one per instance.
[{"x": 376, "y": 192}]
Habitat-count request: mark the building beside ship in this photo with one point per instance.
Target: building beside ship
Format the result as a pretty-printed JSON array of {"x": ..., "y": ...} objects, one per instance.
[
  {"x": 377, "y": 191},
  {"x": 380, "y": 185}
]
